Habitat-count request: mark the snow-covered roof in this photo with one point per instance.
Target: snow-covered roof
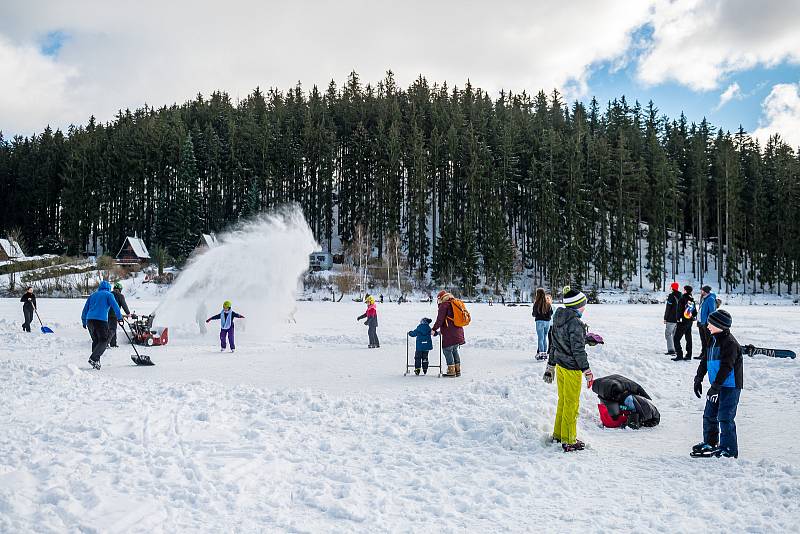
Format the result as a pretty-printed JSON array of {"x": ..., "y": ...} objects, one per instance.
[
  {"x": 138, "y": 246},
  {"x": 209, "y": 240},
  {"x": 11, "y": 248}
]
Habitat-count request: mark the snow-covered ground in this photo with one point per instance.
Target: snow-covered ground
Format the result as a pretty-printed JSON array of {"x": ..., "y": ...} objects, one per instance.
[{"x": 304, "y": 429}]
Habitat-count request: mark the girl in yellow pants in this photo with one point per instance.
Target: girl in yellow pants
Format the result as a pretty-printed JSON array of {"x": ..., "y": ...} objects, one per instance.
[{"x": 569, "y": 396}]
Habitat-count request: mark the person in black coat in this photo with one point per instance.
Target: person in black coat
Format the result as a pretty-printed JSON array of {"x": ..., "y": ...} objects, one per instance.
[
  {"x": 687, "y": 313},
  {"x": 29, "y": 305},
  {"x": 112, "y": 319},
  {"x": 723, "y": 363},
  {"x": 671, "y": 318}
]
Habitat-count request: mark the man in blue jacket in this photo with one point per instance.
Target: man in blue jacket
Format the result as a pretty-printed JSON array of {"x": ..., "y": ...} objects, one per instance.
[
  {"x": 708, "y": 305},
  {"x": 723, "y": 363},
  {"x": 95, "y": 319}
]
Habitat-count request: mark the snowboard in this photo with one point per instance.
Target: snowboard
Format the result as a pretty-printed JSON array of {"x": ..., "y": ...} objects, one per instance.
[{"x": 751, "y": 350}]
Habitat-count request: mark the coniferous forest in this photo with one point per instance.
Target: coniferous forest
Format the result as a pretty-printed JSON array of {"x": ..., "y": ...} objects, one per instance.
[{"x": 476, "y": 188}]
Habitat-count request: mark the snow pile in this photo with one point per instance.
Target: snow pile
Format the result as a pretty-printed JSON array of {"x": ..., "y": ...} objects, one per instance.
[{"x": 256, "y": 266}]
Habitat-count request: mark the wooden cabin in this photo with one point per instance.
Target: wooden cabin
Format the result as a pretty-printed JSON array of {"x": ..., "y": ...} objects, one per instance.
[{"x": 133, "y": 252}]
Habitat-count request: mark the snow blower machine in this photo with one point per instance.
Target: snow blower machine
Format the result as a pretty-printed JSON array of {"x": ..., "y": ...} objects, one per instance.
[{"x": 144, "y": 333}]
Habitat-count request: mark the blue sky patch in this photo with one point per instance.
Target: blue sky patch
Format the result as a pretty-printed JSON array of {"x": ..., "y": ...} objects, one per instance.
[{"x": 52, "y": 42}]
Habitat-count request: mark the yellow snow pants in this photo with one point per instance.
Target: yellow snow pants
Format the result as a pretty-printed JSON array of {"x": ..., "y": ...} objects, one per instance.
[{"x": 569, "y": 397}]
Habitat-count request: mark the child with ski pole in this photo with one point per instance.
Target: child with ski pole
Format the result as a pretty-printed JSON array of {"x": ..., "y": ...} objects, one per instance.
[
  {"x": 723, "y": 363},
  {"x": 226, "y": 317},
  {"x": 372, "y": 321},
  {"x": 424, "y": 344},
  {"x": 568, "y": 363}
]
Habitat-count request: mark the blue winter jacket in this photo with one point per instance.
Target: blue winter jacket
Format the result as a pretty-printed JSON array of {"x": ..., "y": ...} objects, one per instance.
[
  {"x": 708, "y": 307},
  {"x": 714, "y": 361},
  {"x": 423, "y": 335},
  {"x": 99, "y": 303}
]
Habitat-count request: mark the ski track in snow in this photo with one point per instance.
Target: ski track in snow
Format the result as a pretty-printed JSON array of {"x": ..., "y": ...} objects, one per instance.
[{"x": 312, "y": 432}]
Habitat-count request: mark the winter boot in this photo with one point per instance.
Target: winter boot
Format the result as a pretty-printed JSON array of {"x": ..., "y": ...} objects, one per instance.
[
  {"x": 677, "y": 358},
  {"x": 705, "y": 451},
  {"x": 95, "y": 364},
  {"x": 577, "y": 446},
  {"x": 451, "y": 371},
  {"x": 687, "y": 358},
  {"x": 458, "y": 369},
  {"x": 541, "y": 356},
  {"x": 416, "y": 371}
]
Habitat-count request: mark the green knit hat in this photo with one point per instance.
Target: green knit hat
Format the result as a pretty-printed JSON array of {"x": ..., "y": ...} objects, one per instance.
[{"x": 573, "y": 298}]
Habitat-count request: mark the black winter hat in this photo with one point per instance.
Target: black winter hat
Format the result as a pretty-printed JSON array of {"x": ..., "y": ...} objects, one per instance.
[
  {"x": 721, "y": 319},
  {"x": 688, "y": 289},
  {"x": 707, "y": 289},
  {"x": 426, "y": 320}
]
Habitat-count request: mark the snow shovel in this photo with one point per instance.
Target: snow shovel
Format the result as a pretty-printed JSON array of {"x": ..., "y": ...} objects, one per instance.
[
  {"x": 138, "y": 359},
  {"x": 45, "y": 329}
]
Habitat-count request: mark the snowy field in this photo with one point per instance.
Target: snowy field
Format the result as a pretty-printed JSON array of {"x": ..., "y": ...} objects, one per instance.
[{"x": 304, "y": 429}]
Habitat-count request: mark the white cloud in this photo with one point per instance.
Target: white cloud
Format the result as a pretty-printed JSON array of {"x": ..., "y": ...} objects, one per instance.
[
  {"x": 35, "y": 90},
  {"x": 163, "y": 52},
  {"x": 697, "y": 43},
  {"x": 781, "y": 114},
  {"x": 733, "y": 91}
]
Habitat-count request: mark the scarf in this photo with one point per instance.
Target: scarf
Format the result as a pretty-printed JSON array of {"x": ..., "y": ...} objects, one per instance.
[{"x": 225, "y": 319}]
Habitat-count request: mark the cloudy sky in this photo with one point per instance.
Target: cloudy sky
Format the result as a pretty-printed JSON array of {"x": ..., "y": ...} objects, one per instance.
[{"x": 732, "y": 61}]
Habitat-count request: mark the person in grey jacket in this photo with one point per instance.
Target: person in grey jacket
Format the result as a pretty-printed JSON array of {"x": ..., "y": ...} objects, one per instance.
[{"x": 568, "y": 362}]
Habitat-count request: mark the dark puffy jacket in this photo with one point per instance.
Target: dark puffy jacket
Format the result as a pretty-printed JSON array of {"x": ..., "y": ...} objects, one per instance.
[
  {"x": 617, "y": 388},
  {"x": 541, "y": 315},
  {"x": 723, "y": 361},
  {"x": 423, "y": 335},
  {"x": 568, "y": 341},
  {"x": 646, "y": 413},
  {"x": 671, "y": 309},
  {"x": 451, "y": 334},
  {"x": 120, "y": 298}
]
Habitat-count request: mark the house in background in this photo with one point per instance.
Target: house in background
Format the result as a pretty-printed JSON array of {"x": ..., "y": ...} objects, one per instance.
[
  {"x": 206, "y": 242},
  {"x": 133, "y": 252},
  {"x": 10, "y": 250},
  {"x": 320, "y": 261}
]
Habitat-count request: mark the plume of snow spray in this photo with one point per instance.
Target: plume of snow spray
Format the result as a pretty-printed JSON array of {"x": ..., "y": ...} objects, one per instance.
[{"x": 257, "y": 266}]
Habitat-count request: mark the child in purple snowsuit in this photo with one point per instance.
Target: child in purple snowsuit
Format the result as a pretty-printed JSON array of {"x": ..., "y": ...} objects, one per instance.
[{"x": 226, "y": 317}]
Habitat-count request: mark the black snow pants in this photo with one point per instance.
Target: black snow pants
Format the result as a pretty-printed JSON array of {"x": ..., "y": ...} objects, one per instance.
[
  {"x": 99, "y": 332},
  {"x": 112, "y": 333},
  {"x": 27, "y": 311},
  {"x": 421, "y": 360},
  {"x": 684, "y": 330}
]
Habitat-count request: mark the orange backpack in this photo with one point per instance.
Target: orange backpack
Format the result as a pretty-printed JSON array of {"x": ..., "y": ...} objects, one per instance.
[{"x": 460, "y": 314}]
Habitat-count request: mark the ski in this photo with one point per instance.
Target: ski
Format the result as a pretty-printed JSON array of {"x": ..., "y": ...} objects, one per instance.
[{"x": 752, "y": 350}]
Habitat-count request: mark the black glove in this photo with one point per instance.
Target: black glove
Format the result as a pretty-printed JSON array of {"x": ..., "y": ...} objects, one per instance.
[
  {"x": 713, "y": 394},
  {"x": 84, "y": 326},
  {"x": 548, "y": 374},
  {"x": 698, "y": 386}
]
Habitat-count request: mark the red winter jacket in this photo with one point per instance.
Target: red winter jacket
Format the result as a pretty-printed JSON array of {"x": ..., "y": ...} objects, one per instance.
[{"x": 451, "y": 334}]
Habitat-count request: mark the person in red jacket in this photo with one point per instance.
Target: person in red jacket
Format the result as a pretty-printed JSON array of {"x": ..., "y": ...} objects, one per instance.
[{"x": 452, "y": 335}]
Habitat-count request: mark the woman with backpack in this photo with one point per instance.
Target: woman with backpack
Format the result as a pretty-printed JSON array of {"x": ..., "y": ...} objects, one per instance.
[
  {"x": 451, "y": 329},
  {"x": 542, "y": 314}
]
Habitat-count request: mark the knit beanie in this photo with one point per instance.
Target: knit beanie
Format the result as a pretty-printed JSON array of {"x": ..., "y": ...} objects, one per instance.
[
  {"x": 721, "y": 319},
  {"x": 706, "y": 289},
  {"x": 572, "y": 298},
  {"x": 675, "y": 286},
  {"x": 688, "y": 289}
]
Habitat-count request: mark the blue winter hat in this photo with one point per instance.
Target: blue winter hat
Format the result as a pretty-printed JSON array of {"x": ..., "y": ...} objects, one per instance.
[
  {"x": 721, "y": 319},
  {"x": 426, "y": 320}
]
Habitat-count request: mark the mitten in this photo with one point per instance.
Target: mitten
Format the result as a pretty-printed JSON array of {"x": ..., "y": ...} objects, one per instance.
[{"x": 548, "y": 374}]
